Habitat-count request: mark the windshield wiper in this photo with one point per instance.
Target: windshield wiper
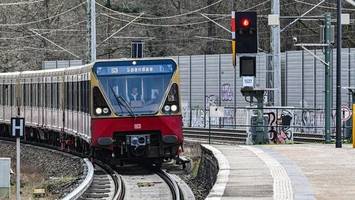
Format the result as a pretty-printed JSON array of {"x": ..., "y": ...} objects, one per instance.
[{"x": 123, "y": 102}]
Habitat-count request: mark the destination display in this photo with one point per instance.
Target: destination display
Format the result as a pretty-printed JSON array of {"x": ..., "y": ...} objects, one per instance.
[{"x": 136, "y": 69}]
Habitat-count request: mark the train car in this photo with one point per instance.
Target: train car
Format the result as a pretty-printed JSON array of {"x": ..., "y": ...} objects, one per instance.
[{"x": 128, "y": 109}]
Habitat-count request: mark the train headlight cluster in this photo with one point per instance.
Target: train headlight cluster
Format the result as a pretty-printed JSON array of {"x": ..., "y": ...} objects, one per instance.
[
  {"x": 170, "y": 108},
  {"x": 102, "y": 111}
]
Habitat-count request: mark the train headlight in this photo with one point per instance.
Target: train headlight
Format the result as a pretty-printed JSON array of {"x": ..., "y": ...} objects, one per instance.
[
  {"x": 166, "y": 108},
  {"x": 98, "y": 111},
  {"x": 105, "y": 110},
  {"x": 174, "y": 108}
]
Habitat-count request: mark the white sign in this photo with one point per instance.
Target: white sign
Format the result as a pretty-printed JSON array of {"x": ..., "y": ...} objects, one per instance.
[
  {"x": 216, "y": 111},
  {"x": 5, "y": 164},
  {"x": 17, "y": 127},
  {"x": 345, "y": 113},
  {"x": 345, "y": 18},
  {"x": 273, "y": 20},
  {"x": 248, "y": 81}
]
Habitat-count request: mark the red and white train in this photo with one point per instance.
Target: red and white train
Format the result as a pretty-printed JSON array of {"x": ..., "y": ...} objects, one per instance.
[{"x": 125, "y": 109}]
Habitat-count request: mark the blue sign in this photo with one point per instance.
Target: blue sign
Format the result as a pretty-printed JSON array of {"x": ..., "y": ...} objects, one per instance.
[{"x": 137, "y": 69}]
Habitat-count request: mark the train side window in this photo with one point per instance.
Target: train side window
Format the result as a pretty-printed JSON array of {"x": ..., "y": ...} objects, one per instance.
[
  {"x": 70, "y": 96},
  {"x": 66, "y": 95},
  {"x": 23, "y": 86},
  {"x": 38, "y": 94},
  {"x": 79, "y": 97},
  {"x": 31, "y": 94},
  {"x": 75, "y": 96},
  {"x": 88, "y": 95},
  {"x": 58, "y": 95},
  {"x": 11, "y": 95},
  {"x": 51, "y": 90},
  {"x": 46, "y": 95},
  {"x": 1, "y": 94},
  {"x": 54, "y": 94}
]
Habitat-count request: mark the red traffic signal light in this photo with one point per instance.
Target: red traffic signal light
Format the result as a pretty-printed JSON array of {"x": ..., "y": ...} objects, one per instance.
[
  {"x": 246, "y": 32},
  {"x": 245, "y": 23}
]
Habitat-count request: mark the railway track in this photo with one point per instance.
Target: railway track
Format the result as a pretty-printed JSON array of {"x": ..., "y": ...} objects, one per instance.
[
  {"x": 235, "y": 136},
  {"x": 106, "y": 184},
  {"x": 154, "y": 184},
  {"x": 102, "y": 182}
]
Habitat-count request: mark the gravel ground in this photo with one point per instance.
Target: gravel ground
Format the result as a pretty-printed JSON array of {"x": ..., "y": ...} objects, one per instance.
[
  {"x": 40, "y": 168},
  {"x": 190, "y": 175}
]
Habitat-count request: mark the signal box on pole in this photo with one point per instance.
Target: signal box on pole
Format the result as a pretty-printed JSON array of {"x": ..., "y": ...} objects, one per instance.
[{"x": 246, "y": 32}]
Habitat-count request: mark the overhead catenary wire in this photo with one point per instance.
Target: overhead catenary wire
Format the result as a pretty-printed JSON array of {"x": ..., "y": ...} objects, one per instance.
[
  {"x": 55, "y": 44},
  {"x": 42, "y": 20},
  {"x": 31, "y": 36},
  {"x": 162, "y": 25},
  {"x": 164, "y": 17},
  {"x": 20, "y": 3},
  {"x": 327, "y": 7}
]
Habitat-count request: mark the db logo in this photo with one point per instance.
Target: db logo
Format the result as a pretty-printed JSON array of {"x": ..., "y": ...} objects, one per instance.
[{"x": 137, "y": 126}]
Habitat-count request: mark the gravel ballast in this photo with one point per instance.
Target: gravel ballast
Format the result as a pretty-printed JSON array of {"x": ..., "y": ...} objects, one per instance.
[{"x": 56, "y": 172}]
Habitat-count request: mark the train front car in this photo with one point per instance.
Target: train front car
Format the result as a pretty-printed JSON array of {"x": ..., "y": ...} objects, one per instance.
[{"x": 136, "y": 110}]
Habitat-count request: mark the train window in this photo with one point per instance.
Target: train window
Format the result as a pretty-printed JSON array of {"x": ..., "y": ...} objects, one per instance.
[
  {"x": 31, "y": 94},
  {"x": 75, "y": 96},
  {"x": 38, "y": 95},
  {"x": 10, "y": 95},
  {"x": 46, "y": 95},
  {"x": 70, "y": 96},
  {"x": 88, "y": 96},
  {"x": 66, "y": 95},
  {"x": 23, "y": 96},
  {"x": 50, "y": 95},
  {"x": 53, "y": 95},
  {"x": 1, "y": 94},
  {"x": 79, "y": 96},
  {"x": 58, "y": 96}
]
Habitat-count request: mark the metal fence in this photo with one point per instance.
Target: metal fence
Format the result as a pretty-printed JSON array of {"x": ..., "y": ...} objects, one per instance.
[{"x": 211, "y": 80}]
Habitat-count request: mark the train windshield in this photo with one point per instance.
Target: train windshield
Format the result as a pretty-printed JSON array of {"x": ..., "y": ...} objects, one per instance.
[{"x": 135, "y": 86}]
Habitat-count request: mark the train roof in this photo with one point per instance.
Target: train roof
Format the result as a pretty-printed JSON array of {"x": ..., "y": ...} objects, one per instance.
[{"x": 70, "y": 70}]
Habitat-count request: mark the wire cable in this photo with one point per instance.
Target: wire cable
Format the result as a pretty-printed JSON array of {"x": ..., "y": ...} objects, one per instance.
[
  {"x": 31, "y": 36},
  {"x": 327, "y": 7},
  {"x": 20, "y": 3},
  {"x": 165, "y": 17},
  {"x": 162, "y": 25},
  {"x": 41, "y": 20}
]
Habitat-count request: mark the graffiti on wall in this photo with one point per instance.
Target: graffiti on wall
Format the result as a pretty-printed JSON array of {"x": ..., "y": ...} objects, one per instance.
[
  {"x": 211, "y": 100},
  {"x": 227, "y": 93},
  {"x": 280, "y": 127},
  {"x": 311, "y": 121}
]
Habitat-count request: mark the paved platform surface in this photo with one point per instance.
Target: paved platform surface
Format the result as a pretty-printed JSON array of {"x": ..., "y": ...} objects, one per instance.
[{"x": 307, "y": 172}]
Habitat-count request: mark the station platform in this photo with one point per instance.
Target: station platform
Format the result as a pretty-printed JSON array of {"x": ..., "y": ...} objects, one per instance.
[{"x": 298, "y": 171}]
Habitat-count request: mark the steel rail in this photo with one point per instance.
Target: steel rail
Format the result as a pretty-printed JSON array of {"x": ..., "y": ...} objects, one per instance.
[
  {"x": 82, "y": 188},
  {"x": 174, "y": 188}
]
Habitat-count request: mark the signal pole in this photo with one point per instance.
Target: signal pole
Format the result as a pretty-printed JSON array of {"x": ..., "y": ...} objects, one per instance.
[
  {"x": 91, "y": 30},
  {"x": 338, "y": 77},
  {"x": 328, "y": 74},
  {"x": 276, "y": 54}
]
